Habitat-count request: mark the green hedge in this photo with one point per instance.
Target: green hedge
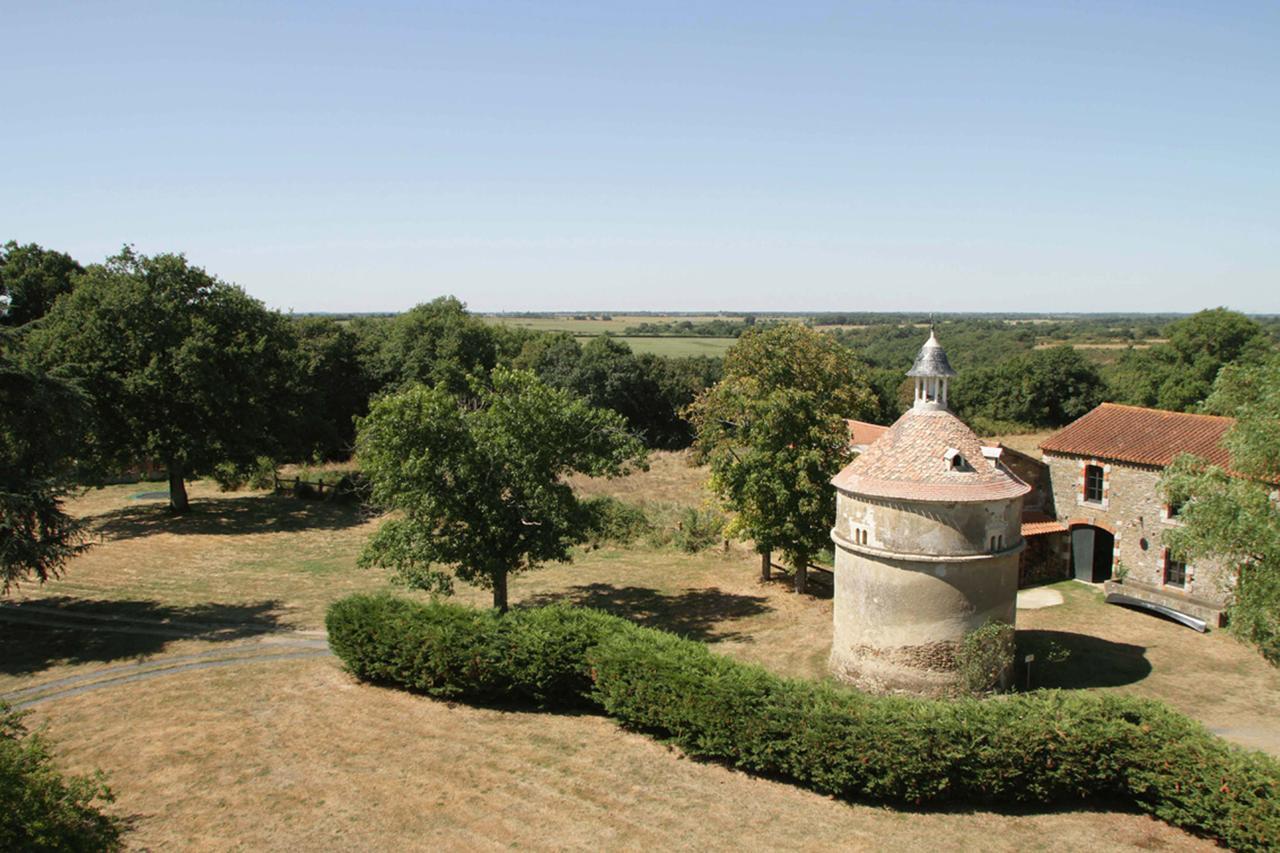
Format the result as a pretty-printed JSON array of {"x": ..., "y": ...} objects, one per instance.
[
  {"x": 535, "y": 656},
  {"x": 1039, "y": 748}
]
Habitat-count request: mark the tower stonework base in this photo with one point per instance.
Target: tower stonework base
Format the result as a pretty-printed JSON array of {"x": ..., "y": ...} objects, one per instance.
[{"x": 901, "y": 608}]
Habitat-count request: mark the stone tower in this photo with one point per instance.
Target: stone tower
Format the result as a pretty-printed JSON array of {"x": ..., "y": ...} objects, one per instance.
[{"x": 926, "y": 544}]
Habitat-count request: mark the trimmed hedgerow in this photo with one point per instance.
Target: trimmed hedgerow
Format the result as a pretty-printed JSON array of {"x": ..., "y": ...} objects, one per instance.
[
  {"x": 533, "y": 656},
  {"x": 1039, "y": 748}
]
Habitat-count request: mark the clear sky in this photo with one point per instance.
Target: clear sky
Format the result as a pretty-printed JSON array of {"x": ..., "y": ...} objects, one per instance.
[{"x": 949, "y": 156}]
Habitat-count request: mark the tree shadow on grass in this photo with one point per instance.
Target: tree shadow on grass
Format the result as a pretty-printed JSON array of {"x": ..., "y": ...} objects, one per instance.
[
  {"x": 229, "y": 516},
  {"x": 693, "y": 613},
  {"x": 36, "y": 633},
  {"x": 1092, "y": 661}
]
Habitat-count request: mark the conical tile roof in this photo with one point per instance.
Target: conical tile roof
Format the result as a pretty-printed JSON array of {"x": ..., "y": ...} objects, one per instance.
[{"x": 914, "y": 460}]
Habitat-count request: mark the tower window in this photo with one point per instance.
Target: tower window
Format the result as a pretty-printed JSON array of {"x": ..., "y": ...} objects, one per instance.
[
  {"x": 956, "y": 462},
  {"x": 1093, "y": 484}
]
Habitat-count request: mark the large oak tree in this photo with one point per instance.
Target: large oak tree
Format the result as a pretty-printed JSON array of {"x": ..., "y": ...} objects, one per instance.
[
  {"x": 774, "y": 432},
  {"x": 476, "y": 480},
  {"x": 180, "y": 368}
]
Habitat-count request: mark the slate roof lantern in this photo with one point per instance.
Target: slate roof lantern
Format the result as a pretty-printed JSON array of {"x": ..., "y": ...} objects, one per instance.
[{"x": 932, "y": 373}]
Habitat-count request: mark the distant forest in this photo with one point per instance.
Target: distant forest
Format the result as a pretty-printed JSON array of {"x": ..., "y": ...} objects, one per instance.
[{"x": 1017, "y": 372}]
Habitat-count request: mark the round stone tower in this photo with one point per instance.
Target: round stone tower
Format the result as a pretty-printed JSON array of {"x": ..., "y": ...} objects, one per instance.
[{"x": 926, "y": 544}]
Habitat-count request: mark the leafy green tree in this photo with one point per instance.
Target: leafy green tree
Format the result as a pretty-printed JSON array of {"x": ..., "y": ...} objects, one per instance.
[
  {"x": 1234, "y": 516},
  {"x": 554, "y": 356},
  {"x": 773, "y": 431},
  {"x": 609, "y": 374},
  {"x": 650, "y": 391},
  {"x": 1042, "y": 388},
  {"x": 31, "y": 278},
  {"x": 438, "y": 343},
  {"x": 40, "y": 420},
  {"x": 42, "y": 809},
  {"x": 333, "y": 385},
  {"x": 476, "y": 481},
  {"x": 179, "y": 367},
  {"x": 1179, "y": 375}
]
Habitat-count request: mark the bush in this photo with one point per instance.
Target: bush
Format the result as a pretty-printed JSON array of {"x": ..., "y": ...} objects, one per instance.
[
  {"x": 1040, "y": 748},
  {"x": 610, "y": 521},
  {"x": 41, "y": 809},
  {"x": 228, "y": 476},
  {"x": 263, "y": 475},
  {"x": 535, "y": 656},
  {"x": 698, "y": 529},
  {"x": 985, "y": 657}
]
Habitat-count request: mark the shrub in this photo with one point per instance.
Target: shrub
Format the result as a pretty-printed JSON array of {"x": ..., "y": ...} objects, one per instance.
[
  {"x": 985, "y": 657},
  {"x": 610, "y": 521},
  {"x": 1039, "y": 748},
  {"x": 442, "y": 650},
  {"x": 41, "y": 809},
  {"x": 263, "y": 475},
  {"x": 228, "y": 476},
  {"x": 698, "y": 529},
  {"x": 535, "y": 656}
]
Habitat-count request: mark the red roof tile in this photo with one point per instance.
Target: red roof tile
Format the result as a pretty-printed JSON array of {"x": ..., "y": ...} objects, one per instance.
[
  {"x": 1037, "y": 523},
  {"x": 1142, "y": 436},
  {"x": 909, "y": 462},
  {"x": 863, "y": 433}
]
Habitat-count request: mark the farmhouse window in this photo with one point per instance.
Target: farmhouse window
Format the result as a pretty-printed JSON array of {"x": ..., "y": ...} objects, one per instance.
[
  {"x": 1093, "y": 484},
  {"x": 1174, "y": 509},
  {"x": 1175, "y": 571}
]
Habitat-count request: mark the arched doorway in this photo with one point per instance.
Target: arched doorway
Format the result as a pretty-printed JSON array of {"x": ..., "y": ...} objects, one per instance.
[{"x": 1092, "y": 549}]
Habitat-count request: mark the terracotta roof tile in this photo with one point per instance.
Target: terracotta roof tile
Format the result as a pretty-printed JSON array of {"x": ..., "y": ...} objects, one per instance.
[
  {"x": 863, "y": 433},
  {"x": 909, "y": 462},
  {"x": 1037, "y": 523},
  {"x": 1142, "y": 436}
]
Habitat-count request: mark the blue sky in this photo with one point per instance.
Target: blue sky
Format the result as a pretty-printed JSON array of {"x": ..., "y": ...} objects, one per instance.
[{"x": 768, "y": 156}]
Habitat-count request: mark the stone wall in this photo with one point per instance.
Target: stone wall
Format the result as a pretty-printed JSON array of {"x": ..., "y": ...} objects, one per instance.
[
  {"x": 907, "y": 527},
  {"x": 1135, "y": 513},
  {"x": 911, "y": 581}
]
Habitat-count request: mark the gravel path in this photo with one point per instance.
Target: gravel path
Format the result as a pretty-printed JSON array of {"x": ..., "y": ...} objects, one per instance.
[{"x": 276, "y": 646}]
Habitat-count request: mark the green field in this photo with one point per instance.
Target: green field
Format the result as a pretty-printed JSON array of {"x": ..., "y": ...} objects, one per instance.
[
  {"x": 616, "y": 324},
  {"x": 674, "y": 346},
  {"x": 595, "y": 325}
]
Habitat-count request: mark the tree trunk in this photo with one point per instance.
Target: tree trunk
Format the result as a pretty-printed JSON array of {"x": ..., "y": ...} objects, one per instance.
[
  {"x": 177, "y": 490},
  {"x": 500, "y": 591},
  {"x": 802, "y": 577},
  {"x": 766, "y": 565}
]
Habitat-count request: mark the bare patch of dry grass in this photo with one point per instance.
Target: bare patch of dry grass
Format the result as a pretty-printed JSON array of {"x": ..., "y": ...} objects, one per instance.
[
  {"x": 672, "y": 478},
  {"x": 298, "y": 756}
]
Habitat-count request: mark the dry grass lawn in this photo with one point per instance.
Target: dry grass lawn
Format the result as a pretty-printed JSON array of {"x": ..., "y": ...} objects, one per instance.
[
  {"x": 293, "y": 753},
  {"x": 301, "y": 757}
]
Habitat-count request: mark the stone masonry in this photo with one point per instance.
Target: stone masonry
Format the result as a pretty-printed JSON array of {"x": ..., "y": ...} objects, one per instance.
[{"x": 1133, "y": 510}]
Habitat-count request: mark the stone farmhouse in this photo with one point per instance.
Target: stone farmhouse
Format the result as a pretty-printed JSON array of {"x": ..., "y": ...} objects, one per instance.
[{"x": 1104, "y": 471}]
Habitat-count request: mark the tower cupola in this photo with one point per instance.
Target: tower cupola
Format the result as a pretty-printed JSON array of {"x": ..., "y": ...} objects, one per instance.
[{"x": 932, "y": 373}]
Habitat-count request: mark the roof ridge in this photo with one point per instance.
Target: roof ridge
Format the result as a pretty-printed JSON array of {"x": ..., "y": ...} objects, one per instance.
[{"x": 1134, "y": 408}]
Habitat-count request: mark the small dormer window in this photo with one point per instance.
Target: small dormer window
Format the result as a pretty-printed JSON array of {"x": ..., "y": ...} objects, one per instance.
[{"x": 956, "y": 461}]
